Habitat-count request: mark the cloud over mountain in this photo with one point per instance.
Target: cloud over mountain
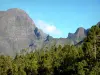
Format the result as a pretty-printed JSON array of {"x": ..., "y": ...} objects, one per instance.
[{"x": 48, "y": 28}]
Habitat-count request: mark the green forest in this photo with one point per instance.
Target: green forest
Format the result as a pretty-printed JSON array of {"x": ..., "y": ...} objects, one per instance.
[{"x": 82, "y": 59}]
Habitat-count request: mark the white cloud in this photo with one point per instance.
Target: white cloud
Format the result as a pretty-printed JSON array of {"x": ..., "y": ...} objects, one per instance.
[{"x": 48, "y": 28}]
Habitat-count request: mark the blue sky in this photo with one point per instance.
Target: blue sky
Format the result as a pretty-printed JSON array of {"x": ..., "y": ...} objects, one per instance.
[{"x": 58, "y": 17}]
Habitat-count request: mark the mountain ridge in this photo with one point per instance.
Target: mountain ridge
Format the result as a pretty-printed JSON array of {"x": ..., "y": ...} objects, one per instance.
[{"x": 18, "y": 31}]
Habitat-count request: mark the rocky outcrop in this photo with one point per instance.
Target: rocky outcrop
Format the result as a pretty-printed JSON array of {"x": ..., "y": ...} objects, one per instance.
[{"x": 80, "y": 34}]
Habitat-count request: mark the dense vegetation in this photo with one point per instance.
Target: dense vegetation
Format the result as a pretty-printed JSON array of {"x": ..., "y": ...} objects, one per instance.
[{"x": 67, "y": 60}]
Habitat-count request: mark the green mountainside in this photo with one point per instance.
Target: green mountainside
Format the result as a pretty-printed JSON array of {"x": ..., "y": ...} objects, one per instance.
[{"x": 61, "y": 60}]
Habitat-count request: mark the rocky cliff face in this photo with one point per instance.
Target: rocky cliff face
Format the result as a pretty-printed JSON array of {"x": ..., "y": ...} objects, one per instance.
[
  {"x": 80, "y": 34},
  {"x": 17, "y": 31}
]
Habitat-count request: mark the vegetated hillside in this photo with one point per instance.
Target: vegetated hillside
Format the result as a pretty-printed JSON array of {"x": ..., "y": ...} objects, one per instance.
[{"x": 67, "y": 60}]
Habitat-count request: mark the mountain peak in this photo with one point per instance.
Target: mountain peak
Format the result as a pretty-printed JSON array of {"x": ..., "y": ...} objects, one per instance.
[
  {"x": 80, "y": 31},
  {"x": 19, "y": 14},
  {"x": 79, "y": 34},
  {"x": 15, "y": 9}
]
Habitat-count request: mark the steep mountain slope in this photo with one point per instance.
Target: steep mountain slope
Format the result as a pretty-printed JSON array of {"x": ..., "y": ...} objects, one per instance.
[{"x": 18, "y": 31}]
